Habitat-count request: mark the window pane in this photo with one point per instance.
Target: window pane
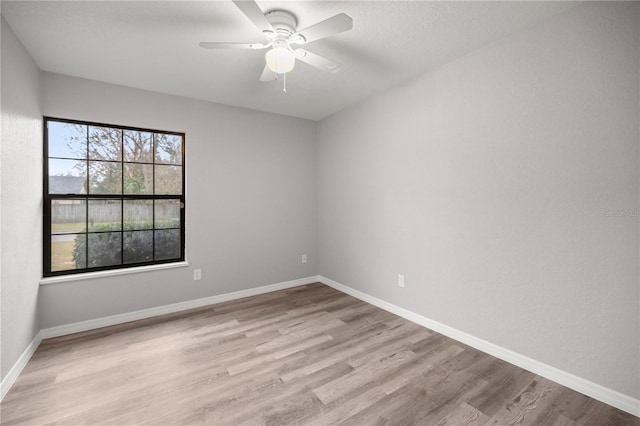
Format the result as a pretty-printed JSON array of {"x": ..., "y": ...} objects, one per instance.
[
  {"x": 168, "y": 180},
  {"x": 138, "y": 147},
  {"x": 138, "y": 246},
  {"x": 67, "y": 176},
  {"x": 102, "y": 206},
  {"x": 105, "y": 215},
  {"x": 67, "y": 140},
  {"x": 68, "y": 252},
  {"x": 168, "y": 149},
  {"x": 104, "y": 249},
  {"x": 167, "y": 244},
  {"x": 68, "y": 216},
  {"x": 138, "y": 214},
  {"x": 105, "y": 177},
  {"x": 105, "y": 143},
  {"x": 167, "y": 214},
  {"x": 138, "y": 178}
]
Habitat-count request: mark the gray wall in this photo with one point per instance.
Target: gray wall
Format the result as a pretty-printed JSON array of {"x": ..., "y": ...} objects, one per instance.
[
  {"x": 20, "y": 198},
  {"x": 251, "y": 199},
  {"x": 488, "y": 182}
]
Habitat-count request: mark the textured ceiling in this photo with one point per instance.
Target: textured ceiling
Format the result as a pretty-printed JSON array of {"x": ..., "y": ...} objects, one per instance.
[{"x": 153, "y": 45}]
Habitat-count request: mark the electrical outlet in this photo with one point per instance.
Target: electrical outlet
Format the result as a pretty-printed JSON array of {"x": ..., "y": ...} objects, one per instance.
[
  {"x": 401, "y": 280},
  {"x": 304, "y": 258},
  {"x": 197, "y": 274}
]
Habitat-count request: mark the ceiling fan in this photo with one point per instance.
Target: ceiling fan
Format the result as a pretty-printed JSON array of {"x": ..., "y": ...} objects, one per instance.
[{"x": 282, "y": 38}]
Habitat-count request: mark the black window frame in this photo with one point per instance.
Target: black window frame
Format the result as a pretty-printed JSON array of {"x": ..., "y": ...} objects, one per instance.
[{"x": 49, "y": 198}]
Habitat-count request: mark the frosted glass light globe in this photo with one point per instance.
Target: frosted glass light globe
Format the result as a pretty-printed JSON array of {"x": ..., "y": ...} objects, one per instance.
[{"x": 280, "y": 60}]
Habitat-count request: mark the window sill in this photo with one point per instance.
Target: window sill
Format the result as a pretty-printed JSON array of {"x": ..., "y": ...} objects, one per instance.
[{"x": 111, "y": 273}]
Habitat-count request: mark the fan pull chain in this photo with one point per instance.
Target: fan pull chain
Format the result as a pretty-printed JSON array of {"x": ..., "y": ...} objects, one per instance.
[{"x": 284, "y": 78}]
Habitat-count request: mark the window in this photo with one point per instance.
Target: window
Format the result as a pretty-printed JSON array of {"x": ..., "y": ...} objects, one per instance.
[{"x": 113, "y": 197}]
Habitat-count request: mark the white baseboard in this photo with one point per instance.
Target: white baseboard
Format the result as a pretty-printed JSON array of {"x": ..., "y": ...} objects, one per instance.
[
  {"x": 593, "y": 390},
  {"x": 93, "y": 324},
  {"x": 17, "y": 368}
]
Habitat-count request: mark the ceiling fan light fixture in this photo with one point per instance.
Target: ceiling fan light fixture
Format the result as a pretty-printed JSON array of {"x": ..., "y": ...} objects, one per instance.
[{"x": 280, "y": 60}]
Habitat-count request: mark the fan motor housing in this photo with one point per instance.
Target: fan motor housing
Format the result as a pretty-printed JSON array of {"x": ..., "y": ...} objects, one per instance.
[{"x": 283, "y": 22}]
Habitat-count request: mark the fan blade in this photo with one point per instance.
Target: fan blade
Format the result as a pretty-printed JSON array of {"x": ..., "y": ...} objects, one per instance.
[
  {"x": 216, "y": 45},
  {"x": 337, "y": 24},
  {"x": 268, "y": 75},
  {"x": 317, "y": 61},
  {"x": 252, "y": 11}
]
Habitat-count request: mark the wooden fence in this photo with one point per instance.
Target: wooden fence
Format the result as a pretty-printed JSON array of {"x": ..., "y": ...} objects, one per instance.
[{"x": 73, "y": 211}]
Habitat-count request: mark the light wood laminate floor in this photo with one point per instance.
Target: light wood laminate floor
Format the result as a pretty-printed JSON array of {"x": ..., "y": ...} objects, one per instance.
[{"x": 307, "y": 355}]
